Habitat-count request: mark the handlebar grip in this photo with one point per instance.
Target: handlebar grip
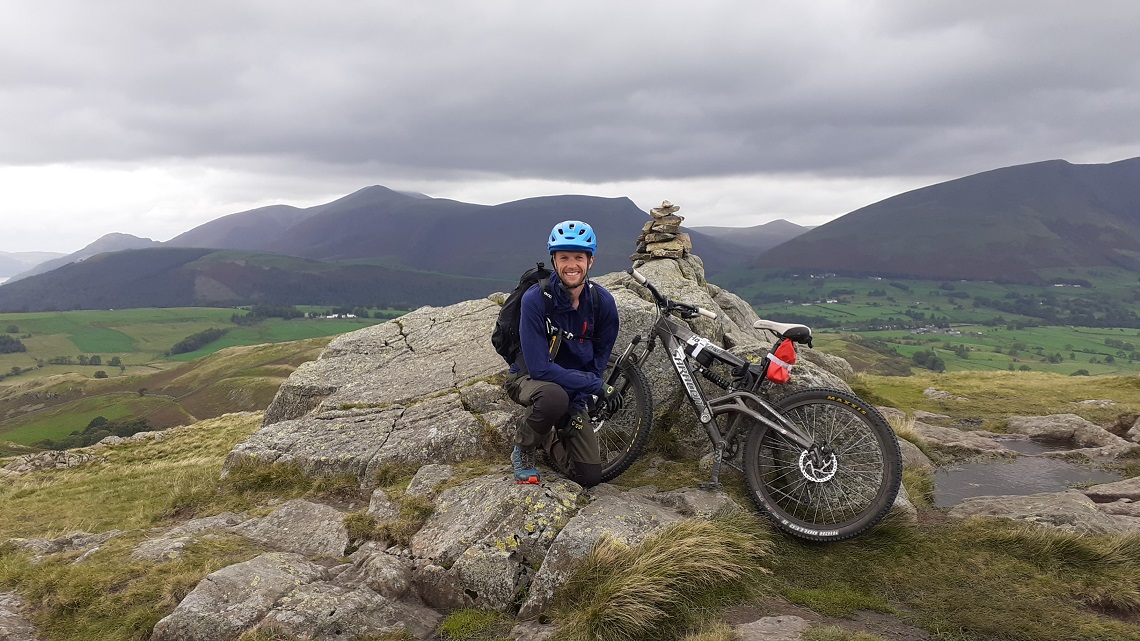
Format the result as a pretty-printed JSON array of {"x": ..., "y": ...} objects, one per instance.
[
  {"x": 637, "y": 276},
  {"x": 706, "y": 313}
]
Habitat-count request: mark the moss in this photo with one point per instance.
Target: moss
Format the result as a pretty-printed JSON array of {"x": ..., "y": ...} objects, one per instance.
[{"x": 476, "y": 625}]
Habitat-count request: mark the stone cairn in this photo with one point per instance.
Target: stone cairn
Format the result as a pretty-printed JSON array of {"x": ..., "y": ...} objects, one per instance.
[{"x": 662, "y": 237}]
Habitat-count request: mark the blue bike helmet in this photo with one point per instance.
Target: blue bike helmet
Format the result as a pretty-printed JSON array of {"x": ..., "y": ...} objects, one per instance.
[{"x": 572, "y": 235}]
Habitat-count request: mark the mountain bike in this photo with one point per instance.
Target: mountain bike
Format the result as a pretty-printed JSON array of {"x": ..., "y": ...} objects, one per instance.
[{"x": 821, "y": 463}]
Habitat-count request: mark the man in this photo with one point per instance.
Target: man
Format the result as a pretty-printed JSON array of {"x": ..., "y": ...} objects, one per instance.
[{"x": 559, "y": 374}]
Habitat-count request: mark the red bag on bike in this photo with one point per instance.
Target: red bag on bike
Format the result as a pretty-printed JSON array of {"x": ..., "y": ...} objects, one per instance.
[{"x": 780, "y": 361}]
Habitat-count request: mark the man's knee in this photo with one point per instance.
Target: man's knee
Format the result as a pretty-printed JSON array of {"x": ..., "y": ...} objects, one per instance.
[
  {"x": 551, "y": 400},
  {"x": 587, "y": 474}
]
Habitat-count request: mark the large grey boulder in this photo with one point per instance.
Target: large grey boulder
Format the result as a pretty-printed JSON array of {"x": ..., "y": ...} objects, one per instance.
[
  {"x": 302, "y": 527},
  {"x": 479, "y": 547},
  {"x": 330, "y": 612},
  {"x": 1069, "y": 511},
  {"x": 422, "y": 353},
  {"x": 1091, "y": 440},
  {"x": 414, "y": 389},
  {"x": 235, "y": 598}
]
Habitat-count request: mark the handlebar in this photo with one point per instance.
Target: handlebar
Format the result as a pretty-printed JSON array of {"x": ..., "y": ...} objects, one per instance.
[{"x": 664, "y": 302}]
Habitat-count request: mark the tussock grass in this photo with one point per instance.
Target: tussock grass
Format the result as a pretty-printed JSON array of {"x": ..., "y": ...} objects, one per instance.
[
  {"x": 904, "y": 428},
  {"x": 108, "y": 596},
  {"x": 135, "y": 486},
  {"x": 836, "y": 633},
  {"x": 667, "y": 584},
  {"x": 971, "y": 580},
  {"x": 1105, "y": 569},
  {"x": 414, "y": 512},
  {"x": 712, "y": 632},
  {"x": 919, "y": 487}
]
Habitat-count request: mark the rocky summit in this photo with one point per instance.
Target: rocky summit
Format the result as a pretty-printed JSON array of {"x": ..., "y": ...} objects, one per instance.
[{"x": 422, "y": 393}]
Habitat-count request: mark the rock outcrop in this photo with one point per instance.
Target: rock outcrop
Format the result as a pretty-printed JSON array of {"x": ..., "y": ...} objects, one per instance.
[
  {"x": 418, "y": 389},
  {"x": 424, "y": 390},
  {"x": 14, "y": 626}
]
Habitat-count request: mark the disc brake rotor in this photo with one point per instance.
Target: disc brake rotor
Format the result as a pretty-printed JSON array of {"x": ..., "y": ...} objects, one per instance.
[{"x": 818, "y": 465}]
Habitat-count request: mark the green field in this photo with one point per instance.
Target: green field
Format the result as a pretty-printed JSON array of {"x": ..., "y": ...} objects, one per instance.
[
  {"x": 242, "y": 370},
  {"x": 878, "y": 324},
  {"x": 242, "y": 378},
  {"x": 141, "y": 337},
  {"x": 61, "y": 420}
]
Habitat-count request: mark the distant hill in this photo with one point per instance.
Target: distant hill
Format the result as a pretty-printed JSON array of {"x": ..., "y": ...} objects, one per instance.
[
  {"x": 107, "y": 243},
  {"x": 181, "y": 276},
  {"x": 759, "y": 238},
  {"x": 243, "y": 230},
  {"x": 375, "y": 247},
  {"x": 440, "y": 235},
  {"x": 1005, "y": 224},
  {"x": 12, "y": 263}
]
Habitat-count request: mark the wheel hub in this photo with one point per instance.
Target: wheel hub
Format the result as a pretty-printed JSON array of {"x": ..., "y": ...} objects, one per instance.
[{"x": 818, "y": 464}]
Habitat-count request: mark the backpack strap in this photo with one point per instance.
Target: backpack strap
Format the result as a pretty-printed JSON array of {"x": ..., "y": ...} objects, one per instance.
[{"x": 554, "y": 334}]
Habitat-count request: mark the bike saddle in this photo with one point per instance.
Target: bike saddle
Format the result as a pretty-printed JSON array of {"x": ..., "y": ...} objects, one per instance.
[{"x": 791, "y": 331}]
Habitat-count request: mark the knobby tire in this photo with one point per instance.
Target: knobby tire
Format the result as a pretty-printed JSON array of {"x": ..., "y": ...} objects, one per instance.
[{"x": 854, "y": 488}]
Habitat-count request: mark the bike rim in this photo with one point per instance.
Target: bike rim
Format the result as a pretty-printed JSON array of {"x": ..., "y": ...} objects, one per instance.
[{"x": 836, "y": 484}]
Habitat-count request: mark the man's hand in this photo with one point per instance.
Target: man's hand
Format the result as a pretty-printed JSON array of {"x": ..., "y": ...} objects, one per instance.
[{"x": 612, "y": 398}]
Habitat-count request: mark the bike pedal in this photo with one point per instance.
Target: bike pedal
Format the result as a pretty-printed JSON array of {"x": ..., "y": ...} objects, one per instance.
[{"x": 710, "y": 486}]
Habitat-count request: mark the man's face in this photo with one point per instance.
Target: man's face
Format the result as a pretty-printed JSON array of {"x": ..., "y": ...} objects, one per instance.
[{"x": 572, "y": 267}]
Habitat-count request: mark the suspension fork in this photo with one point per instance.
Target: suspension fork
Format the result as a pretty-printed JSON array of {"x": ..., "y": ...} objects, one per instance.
[{"x": 625, "y": 356}]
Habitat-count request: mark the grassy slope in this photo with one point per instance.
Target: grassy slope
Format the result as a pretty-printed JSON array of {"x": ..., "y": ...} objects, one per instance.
[
  {"x": 244, "y": 378},
  {"x": 960, "y": 581},
  {"x": 141, "y": 336}
]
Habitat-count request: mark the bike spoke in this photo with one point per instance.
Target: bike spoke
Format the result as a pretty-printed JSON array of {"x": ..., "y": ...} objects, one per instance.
[{"x": 857, "y": 455}]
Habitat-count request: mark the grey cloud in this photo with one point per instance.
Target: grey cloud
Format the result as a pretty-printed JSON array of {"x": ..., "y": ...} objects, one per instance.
[{"x": 582, "y": 92}]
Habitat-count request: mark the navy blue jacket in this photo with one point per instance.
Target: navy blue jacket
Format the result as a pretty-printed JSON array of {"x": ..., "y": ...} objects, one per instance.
[{"x": 579, "y": 364}]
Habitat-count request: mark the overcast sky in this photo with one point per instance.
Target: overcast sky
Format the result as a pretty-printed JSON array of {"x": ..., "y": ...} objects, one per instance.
[{"x": 150, "y": 118}]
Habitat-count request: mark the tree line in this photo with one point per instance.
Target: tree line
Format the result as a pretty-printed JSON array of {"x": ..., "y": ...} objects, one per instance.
[{"x": 98, "y": 429}]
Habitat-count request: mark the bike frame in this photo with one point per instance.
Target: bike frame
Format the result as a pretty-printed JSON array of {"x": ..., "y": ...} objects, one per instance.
[{"x": 674, "y": 337}]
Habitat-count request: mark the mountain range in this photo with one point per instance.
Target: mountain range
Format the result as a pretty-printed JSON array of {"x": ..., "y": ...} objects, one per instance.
[
  {"x": 1006, "y": 224},
  {"x": 374, "y": 247},
  {"x": 12, "y": 263},
  {"x": 380, "y": 247}
]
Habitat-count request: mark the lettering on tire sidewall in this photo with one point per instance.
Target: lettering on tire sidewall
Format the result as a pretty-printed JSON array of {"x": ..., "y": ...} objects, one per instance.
[{"x": 847, "y": 402}]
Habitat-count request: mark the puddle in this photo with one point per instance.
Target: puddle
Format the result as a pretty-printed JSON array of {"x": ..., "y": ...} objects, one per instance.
[{"x": 1026, "y": 474}]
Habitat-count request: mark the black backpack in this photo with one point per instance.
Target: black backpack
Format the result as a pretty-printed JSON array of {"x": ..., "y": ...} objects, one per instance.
[{"x": 505, "y": 337}]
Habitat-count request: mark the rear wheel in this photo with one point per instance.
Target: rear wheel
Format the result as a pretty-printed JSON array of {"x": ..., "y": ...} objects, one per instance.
[
  {"x": 838, "y": 488},
  {"x": 622, "y": 437}
]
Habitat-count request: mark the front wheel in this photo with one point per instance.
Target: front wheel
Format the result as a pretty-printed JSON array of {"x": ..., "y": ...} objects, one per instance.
[
  {"x": 845, "y": 483},
  {"x": 623, "y": 437}
]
